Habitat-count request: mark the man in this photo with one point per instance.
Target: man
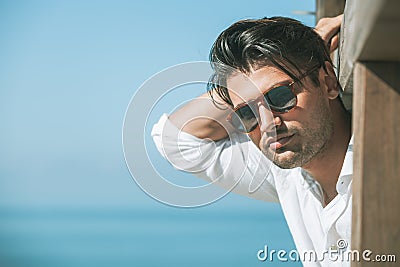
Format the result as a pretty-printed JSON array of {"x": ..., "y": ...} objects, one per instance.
[{"x": 275, "y": 83}]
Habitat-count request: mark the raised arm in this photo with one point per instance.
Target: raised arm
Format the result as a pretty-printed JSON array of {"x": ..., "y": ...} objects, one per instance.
[{"x": 203, "y": 118}]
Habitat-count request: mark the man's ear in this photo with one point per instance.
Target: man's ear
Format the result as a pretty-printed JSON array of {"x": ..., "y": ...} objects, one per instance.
[{"x": 328, "y": 81}]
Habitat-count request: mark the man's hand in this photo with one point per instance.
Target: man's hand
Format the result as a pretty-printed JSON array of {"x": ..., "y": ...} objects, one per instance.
[{"x": 328, "y": 29}]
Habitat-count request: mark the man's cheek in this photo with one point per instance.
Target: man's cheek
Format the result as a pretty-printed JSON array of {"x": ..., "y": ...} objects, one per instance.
[{"x": 255, "y": 136}]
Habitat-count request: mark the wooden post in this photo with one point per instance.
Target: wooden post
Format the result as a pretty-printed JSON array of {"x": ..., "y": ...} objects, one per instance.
[
  {"x": 329, "y": 8},
  {"x": 376, "y": 178},
  {"x": 369, "y": 72}
]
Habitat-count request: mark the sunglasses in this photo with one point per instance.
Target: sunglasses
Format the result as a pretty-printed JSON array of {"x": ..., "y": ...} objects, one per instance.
[{"x": 280, "y": 99}]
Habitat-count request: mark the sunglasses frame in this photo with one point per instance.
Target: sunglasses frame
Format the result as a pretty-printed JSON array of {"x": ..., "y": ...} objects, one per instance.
[{"x": 262, "y": 97}]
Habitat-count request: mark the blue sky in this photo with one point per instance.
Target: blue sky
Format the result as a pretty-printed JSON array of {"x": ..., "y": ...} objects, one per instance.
[{"x": 68, "y": 70}]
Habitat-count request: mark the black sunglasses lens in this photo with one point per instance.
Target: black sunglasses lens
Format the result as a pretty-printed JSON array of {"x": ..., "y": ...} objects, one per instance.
[
  {"x": 281, "y": 98},
  {"x": 244, "y": 119}
]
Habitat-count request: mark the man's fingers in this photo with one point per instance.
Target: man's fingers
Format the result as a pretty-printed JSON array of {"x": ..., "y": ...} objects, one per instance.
[
  {"x": 334, "y": 43},
  {"x": 328, "y": 28}
]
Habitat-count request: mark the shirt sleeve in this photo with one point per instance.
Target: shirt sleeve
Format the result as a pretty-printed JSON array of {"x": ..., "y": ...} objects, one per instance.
[{"x": 234, "y": 163}]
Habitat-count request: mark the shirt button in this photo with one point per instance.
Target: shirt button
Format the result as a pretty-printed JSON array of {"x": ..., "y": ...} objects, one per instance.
[{"x": 342, "y": 185}]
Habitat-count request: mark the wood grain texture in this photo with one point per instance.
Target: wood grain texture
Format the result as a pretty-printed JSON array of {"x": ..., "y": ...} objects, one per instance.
[
  {"x": 329, "y": 8},
  {"x": 376, "y": 179}
]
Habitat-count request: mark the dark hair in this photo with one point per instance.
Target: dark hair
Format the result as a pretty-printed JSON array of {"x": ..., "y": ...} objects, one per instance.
[{"x": 277, "y": 41}]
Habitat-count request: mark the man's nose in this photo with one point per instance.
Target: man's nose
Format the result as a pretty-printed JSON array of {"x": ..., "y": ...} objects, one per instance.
[{"x": 268, "y": 120}]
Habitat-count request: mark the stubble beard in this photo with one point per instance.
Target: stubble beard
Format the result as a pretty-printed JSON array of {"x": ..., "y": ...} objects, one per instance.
[{"x": 314, "y": 141}]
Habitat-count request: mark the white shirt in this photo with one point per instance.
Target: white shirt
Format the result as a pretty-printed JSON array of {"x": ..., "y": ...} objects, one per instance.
[{"x": 238, "y": 160}]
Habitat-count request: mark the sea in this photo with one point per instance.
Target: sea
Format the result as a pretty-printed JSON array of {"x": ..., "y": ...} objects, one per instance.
[{"x": 142, "y": 237}]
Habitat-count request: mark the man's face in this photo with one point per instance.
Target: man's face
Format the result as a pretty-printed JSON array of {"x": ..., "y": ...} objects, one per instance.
[{"x": 290, "y": 139}]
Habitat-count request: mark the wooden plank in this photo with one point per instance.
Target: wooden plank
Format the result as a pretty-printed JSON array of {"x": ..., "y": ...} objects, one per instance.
[
  {"x": 376, "y": 178},
  {"x": 370, "y": 32},
  {"x": 329, "y": 8}
]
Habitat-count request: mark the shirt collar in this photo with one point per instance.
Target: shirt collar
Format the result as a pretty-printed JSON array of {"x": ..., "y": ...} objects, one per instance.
[{"x": 346, "y": 173}]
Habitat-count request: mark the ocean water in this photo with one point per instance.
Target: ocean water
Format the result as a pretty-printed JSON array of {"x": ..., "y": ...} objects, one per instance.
[{"x": 166, "y": 236}]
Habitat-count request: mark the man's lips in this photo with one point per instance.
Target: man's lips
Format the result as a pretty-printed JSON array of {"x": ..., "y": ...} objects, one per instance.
[{"x": 275, "y": 143}]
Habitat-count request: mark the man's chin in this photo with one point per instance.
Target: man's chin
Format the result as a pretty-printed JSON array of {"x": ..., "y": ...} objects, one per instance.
[{"x": 284, "y": 160}]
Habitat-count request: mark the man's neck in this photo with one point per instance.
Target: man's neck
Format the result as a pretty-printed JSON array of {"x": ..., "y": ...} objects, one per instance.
[{"x": 325, "y": 168}]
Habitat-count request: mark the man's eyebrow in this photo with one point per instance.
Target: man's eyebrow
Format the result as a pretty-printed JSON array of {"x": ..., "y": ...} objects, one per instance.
[{"x": 284, "y": 82}]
